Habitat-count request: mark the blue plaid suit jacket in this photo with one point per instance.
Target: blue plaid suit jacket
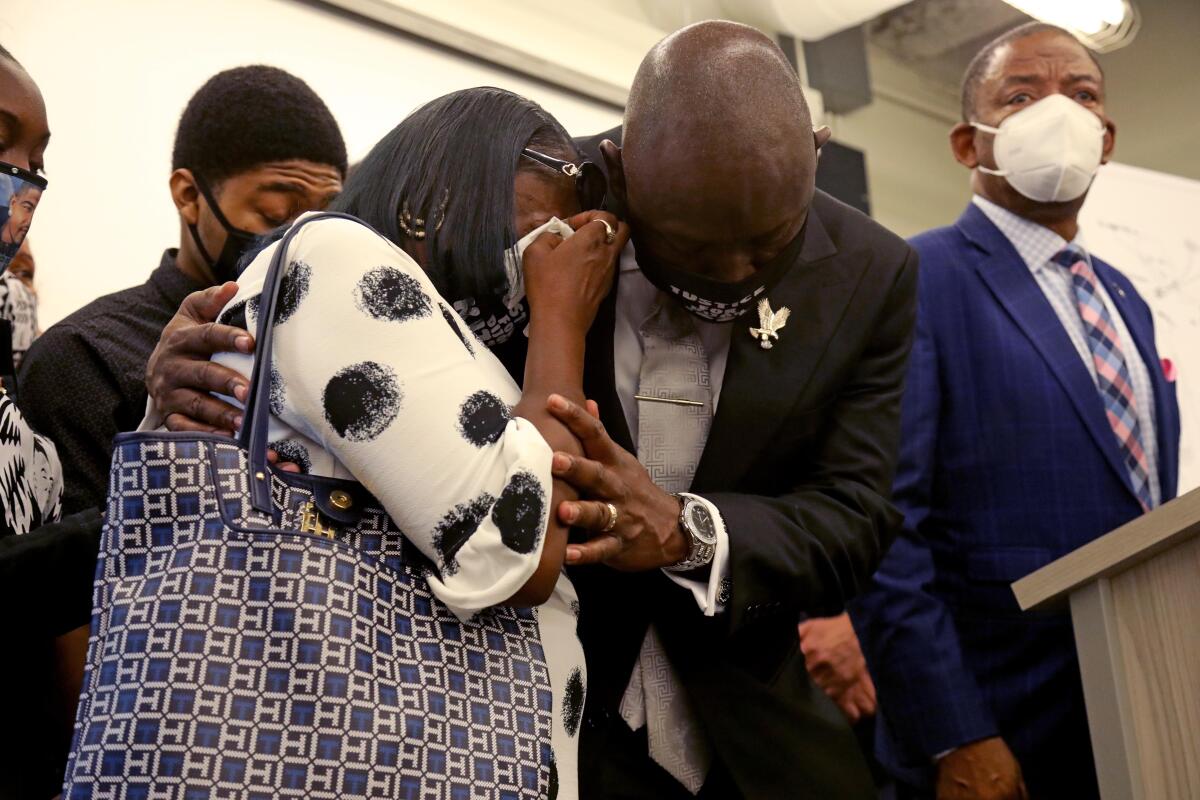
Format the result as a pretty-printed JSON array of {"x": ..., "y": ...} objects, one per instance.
[{"x": 1007, "y": 462}]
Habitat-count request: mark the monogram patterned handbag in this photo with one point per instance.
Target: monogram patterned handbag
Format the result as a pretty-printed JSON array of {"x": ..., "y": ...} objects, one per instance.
[{"x": 261, "y": 634}]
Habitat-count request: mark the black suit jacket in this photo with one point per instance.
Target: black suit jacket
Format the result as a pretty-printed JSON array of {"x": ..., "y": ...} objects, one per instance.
[
  {"x": 799, "y": 461},
  {"x": 46, "y": 589}
]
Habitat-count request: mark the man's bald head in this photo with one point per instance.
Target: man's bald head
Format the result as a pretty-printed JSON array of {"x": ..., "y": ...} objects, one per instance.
[
  {"x": 724, "y": 87},
  {"x": 718, "y": 153}
]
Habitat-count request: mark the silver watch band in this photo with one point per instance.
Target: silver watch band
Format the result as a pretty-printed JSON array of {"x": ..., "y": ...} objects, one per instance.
[{"x": 700, "y": 553}]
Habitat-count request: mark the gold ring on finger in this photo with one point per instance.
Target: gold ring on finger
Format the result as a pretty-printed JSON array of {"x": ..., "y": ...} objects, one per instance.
[
  {"x": 610, "y": 234},
  {"x": 612, "y": 518}
]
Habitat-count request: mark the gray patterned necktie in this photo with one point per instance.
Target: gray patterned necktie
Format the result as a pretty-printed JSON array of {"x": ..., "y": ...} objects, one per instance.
[{"x": 671, "y": 438}]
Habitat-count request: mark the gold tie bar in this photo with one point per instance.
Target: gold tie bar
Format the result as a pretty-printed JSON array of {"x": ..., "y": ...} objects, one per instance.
[{"x": 671, "y": 400}]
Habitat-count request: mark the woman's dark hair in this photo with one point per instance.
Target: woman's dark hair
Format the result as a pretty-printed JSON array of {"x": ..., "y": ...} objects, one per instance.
[{"x": 452, "y": 164}]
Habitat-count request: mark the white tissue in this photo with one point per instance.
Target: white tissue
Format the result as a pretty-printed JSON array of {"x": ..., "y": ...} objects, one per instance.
[{"x": 513, "y": 259}]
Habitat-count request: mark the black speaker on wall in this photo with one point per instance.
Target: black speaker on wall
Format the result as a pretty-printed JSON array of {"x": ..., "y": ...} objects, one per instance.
[
  {"x": 836, "y": 66},
  {"x": 842, "y": 172}
]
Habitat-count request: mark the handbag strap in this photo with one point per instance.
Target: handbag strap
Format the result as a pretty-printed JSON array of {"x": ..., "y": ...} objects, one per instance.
[{"x": 254, "y": 433}]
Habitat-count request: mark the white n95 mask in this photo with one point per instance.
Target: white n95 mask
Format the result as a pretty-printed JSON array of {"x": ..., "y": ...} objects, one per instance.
[{"x": 1049, "y": 151}]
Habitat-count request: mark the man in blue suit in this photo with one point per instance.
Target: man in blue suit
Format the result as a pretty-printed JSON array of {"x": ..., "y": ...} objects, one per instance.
[{"x": 1036, "y": 418}]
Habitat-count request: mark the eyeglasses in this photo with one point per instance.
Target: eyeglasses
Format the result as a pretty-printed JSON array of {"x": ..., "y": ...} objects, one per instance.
[{"x": 590, "y": 183}]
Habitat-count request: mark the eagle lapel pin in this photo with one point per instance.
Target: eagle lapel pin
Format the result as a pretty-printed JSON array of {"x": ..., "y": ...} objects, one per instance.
[{"x": 769, "y": 323}]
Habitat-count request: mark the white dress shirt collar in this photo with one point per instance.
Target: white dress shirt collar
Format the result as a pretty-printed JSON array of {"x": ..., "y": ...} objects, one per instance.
[{"x": 1035, "y": 244}]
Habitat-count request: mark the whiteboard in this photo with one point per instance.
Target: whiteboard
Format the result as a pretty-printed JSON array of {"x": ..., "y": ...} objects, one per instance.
[{"x": 1145, "y": 224}]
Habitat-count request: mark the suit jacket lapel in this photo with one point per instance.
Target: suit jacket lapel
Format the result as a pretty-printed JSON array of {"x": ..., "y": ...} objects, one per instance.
[
  {"x": 761, "y": 386},
  {"x": 599, "y": 382},
  {"x": 1009, "y": 279},
  {"x": 1143, "y": 338}
]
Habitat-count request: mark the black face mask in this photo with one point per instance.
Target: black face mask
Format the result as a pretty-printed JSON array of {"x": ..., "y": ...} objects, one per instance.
[
  {"x": 718, "y": 301},
  {"x": 237, "y": 241}
]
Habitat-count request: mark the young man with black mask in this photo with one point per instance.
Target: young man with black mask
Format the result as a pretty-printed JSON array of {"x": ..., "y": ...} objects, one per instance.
[{"x": 255, "y": 148}]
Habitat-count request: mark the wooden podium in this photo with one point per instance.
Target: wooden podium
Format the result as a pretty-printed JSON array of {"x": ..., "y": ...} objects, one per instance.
[{"x": 1135, "y": 605}]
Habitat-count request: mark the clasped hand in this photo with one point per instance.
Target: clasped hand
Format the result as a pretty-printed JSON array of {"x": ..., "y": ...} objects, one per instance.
[{"x": 646, "y": 534}]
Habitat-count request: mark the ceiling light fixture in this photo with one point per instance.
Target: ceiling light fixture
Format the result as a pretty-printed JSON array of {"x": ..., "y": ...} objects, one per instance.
[{"x": 1102, "y": 25}]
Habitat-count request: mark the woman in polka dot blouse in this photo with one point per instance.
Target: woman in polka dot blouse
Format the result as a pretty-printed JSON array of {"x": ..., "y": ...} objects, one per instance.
[{"x": 382, "y": 370}]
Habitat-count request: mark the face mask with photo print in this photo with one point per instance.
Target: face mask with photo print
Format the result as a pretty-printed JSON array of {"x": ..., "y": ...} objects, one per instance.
[{"x": 20, "y": 194}]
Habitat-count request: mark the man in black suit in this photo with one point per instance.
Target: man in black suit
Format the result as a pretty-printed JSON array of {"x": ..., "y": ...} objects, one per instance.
[
  {"x": 699, "y": 565},
  {"x": 716, "y": 180}
]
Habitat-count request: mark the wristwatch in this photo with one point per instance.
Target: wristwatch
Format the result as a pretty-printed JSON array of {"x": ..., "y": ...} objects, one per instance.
[{"x": 697, "y": 524}]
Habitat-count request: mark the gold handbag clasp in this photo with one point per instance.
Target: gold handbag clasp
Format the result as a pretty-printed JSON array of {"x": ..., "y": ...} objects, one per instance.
[{"x": 310, "y": 521}]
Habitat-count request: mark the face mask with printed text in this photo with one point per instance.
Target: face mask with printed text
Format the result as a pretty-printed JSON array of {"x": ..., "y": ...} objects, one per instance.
[{"x": 719, "y": 301}]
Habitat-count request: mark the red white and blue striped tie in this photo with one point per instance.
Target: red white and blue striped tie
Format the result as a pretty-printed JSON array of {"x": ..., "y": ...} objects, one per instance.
[{"x": 1112, "y": 375}]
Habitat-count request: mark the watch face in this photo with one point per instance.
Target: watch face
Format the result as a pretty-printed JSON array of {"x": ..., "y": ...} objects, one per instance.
[{"x": 700, "y": 521}]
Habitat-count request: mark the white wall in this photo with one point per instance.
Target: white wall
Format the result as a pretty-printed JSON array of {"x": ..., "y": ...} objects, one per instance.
[
  {"x": 116, "y": 75},
  {"x": 595, "y": 54},
  {"x": 914, "y": 181}
]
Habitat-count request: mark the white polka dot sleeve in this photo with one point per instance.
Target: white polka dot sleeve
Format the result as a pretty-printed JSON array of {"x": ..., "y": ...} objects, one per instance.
[{"x": 372, "y": 366}]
